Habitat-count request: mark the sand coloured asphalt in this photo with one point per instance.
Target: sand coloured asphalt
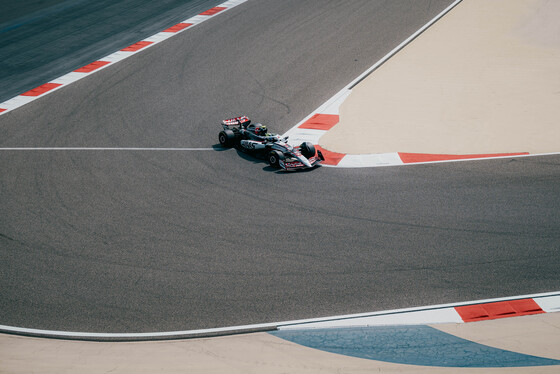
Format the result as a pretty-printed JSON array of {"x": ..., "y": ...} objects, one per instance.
[
  {"x": 535, "y": 335},
  {"x": 483, "y": 79}
]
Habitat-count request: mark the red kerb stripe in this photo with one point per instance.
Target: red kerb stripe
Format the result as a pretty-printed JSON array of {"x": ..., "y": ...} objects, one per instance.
[
  {"x": 41, "y": 89},
  {"x": 501, "y": 309},
  {"x": 91, "y": 67},
  {"x": 320, "y": 122},
  {"x": 178, "y": 27},
  {"x": 331, "y": 158},
  {"x": 2, "y": 110},
  {"x": 409, "y": 158},
  {"x": 136, "y": 46},
  {"x": 211, "y": 12}
]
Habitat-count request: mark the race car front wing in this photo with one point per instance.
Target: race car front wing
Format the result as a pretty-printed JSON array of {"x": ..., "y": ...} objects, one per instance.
[{"x": 295, "y": 164}]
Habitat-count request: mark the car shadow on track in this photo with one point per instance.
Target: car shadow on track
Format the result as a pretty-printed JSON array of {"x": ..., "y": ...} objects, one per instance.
[
  {"x": 219, "y": 148},
  {"x": 256, "y": 159}
]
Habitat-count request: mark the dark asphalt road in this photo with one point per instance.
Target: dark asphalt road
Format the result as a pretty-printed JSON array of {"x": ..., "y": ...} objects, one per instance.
[
  {"x": 137, "y": 241},
  {"x": 43, "y": 40}
]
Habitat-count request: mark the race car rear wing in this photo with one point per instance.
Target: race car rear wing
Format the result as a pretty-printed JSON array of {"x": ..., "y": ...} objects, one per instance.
[{"x": 236, "y": 122}]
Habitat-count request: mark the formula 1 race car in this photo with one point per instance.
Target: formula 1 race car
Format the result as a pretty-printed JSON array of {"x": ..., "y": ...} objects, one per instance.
[{"x": 240, "y": 133}]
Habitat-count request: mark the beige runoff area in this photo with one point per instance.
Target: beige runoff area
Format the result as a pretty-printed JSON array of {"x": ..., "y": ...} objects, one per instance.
[
  {"x": 263, "y": 353},
  {"x": 483, "y": 79},
  {"x": 536, "y": 335}
]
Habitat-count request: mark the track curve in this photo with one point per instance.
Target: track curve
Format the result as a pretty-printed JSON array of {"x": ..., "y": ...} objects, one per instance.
[{"x": 139, "y": 241}]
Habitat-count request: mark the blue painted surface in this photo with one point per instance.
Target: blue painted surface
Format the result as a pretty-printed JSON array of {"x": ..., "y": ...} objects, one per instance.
[{"x": 413, "y": 345}]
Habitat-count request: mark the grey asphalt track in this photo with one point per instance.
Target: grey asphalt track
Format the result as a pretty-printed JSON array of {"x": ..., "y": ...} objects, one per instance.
[{"x": 140, "y": 241}]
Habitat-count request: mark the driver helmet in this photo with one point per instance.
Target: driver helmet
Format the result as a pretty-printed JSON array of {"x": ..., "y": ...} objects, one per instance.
[{"x": 261, "y": 130}]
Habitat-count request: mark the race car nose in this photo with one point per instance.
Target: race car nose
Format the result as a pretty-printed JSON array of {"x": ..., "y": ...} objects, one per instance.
[{"x": 305, "y": 161}]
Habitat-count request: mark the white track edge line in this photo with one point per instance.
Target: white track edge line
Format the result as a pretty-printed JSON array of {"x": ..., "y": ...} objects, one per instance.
[
  {"x": 403, "y": 44},
  {"x": 244, "y": 328},
  {"x": 378, "y": 63},
  {"x": 375, "y": 165},
  {"x": 347, "y": 90}
]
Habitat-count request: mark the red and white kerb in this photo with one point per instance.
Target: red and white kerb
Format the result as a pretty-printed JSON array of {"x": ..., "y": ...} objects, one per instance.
[{"x": 104, "y": 62}]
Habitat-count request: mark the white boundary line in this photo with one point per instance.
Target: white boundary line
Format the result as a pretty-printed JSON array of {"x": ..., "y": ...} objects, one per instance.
[
  {"x": 549, "y": 302},
  {"x": 393, "y": 159},
  {"x": 406, "y": 313},
  {"x": 331, "y": 106},
  {"x": 402, "y": 45}
]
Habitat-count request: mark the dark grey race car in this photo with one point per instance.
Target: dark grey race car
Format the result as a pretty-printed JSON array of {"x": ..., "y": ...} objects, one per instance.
[{"x": 239, "y": 132}]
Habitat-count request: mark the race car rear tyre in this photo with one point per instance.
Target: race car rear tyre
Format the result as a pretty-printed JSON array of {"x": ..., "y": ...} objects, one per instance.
[
  {"x": 227, "y": 138},
  {"x": 274, "y": 158},
  {"x": 307, "y": 149}
]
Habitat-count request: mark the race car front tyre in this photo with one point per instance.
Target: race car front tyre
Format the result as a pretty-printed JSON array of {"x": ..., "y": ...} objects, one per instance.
[
  {"x": 307, "y": 149},
  {"x": 274, "y": 158},
  {"x": 227, "y": 138}
]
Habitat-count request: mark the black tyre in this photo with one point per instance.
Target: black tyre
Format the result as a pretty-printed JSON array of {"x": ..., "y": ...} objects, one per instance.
[
  {"x": 227, "y": 138},
  {"x": 274, "y": 158},
  {"x": 307, "y": 149}
]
